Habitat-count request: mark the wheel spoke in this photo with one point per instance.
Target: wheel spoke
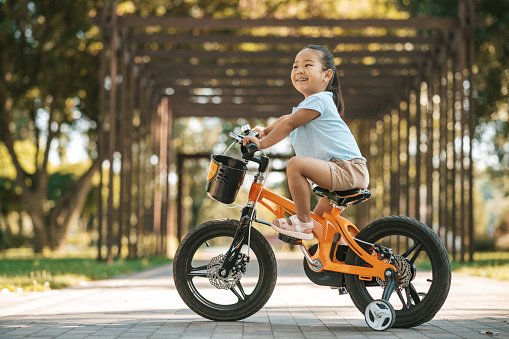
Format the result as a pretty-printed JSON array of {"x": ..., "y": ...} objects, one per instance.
[
  {"x": 408, "y": 297},
  {"x": 407, "y": 253},
  {"x": 400, "y": 295},
  {"x": 416, "y": 248},
  {"x": 241, "y": 295},
  {"x": 241, "y": 289},
  {"x": 413, "y": 294},
  {"x": 193, "y": 274},
  {"x": 194, "y": 271},
  {"x": 199, "y": 268}
]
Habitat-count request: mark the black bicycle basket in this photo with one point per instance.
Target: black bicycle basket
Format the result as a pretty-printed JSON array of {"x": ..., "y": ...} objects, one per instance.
[{"x": 225, "y": 177}]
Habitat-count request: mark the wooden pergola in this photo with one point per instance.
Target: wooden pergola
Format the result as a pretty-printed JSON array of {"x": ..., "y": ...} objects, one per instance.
[{"x": 407, "y": 86}]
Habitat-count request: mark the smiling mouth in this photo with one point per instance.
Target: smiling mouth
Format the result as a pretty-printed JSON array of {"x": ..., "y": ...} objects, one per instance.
[{"x": 298, "y": 80}]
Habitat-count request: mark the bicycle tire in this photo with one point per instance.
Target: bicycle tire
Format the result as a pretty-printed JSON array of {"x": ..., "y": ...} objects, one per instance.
[
  {"x": 414, "y": 311},
  {"x": 200, "y": 295}
]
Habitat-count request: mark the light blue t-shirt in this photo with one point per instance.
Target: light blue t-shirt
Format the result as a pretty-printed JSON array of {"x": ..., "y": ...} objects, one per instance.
[{"x": 327, "y": 136}]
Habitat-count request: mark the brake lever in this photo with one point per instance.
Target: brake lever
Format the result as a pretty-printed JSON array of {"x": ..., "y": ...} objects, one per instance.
[{"x": 237, "y": 137}]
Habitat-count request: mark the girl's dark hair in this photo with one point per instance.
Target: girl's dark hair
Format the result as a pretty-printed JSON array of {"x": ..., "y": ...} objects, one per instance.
[{"x": 333, "y": 86}]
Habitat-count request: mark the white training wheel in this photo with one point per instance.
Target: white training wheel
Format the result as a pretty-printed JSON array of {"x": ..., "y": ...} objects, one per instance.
[{"x": 380, "y": 315}]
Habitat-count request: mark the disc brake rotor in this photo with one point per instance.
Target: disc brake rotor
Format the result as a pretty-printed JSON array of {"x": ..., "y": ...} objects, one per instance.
[
  {"x": 215, "y": 278},
  {"x": 403, "y": 271}
]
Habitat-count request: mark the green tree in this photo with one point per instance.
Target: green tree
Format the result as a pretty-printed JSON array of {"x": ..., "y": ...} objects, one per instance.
[{"x": 48, "y": 86}]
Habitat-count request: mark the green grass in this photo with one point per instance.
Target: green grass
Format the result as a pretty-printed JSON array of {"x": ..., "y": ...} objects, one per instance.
[
  {"x": 41, "y": 273},
  {"x": 37, "y": 273},
  {"x": 493, "y": 265}
]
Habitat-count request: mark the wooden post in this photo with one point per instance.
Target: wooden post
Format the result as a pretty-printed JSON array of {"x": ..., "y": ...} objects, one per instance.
[
  {"x": 122, "y": 142},
  {"x": 442, "y": 194},
  {"x": 364, "y": 145},
  {"x": 157, "y": 196},
  {"x": 463, "y": 62},
  {"x": 418, "y": 119},
  {"x": 113, "y": 118},
  {"x": 407, "y": 152},
  {"x": 163, "y": 177},
  {"x": 429, "y": 150},
  {"x": 100, "y": 131},
  {"x": 180, "y": 209},
  {"x": 129, "y": 159},
  {"x": 471, "y": 122},
  {"x": 170, "y": 218}
]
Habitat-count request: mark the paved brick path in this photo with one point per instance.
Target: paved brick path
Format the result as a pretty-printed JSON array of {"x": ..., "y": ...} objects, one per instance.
[{"x": 146, "y": 305}]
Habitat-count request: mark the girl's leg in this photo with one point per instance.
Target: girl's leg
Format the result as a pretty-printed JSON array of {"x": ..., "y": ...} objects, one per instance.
[
  {"x": 322, "y": 207},
  {"x": 299, "y": 170}
]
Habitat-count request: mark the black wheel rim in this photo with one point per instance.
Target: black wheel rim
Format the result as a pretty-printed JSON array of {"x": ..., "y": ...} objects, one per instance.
[{"x": 213, "y": 245}]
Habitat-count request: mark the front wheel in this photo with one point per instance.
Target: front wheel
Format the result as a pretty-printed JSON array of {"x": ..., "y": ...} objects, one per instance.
[
  {"x": 422, "y": 262},
  {"x": 196, "y": 272}
]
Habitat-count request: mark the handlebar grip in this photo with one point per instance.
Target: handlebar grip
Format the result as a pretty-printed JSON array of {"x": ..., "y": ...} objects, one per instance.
[{"x": 251, "y": 148}]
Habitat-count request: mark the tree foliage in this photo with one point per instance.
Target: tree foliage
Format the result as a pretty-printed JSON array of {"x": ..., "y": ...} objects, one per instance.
[{"x": 49, "y": 58}]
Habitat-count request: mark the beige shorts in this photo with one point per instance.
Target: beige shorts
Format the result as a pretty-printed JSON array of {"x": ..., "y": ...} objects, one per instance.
[{"x": 348, "y": 174}]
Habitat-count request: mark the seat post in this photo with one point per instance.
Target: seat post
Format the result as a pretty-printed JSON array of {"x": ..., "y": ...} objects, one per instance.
[{"x": 341, "y": 208}]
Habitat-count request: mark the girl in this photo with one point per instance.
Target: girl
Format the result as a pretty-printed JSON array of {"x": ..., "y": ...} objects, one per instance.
[{"x": 326, "y": 151}]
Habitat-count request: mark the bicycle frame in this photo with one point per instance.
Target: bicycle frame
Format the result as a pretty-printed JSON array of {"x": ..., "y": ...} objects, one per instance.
[{"x": 325, "y": 229}]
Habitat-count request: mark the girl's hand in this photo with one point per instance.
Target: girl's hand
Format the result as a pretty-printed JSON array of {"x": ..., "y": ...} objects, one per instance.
[
  {"x": 261, "y": 131},
  {"x": 248, "y": 139}
]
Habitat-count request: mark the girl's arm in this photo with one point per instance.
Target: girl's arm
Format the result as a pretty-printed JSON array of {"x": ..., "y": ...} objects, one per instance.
[
  {"x": 282, "y": 127},
  {"x": 265, "y": 131}
]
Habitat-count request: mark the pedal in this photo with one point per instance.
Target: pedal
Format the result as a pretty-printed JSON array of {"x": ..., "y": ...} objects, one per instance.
[
  {"x": 289, "y": 240},
  {"x": 341, "y": 290}
]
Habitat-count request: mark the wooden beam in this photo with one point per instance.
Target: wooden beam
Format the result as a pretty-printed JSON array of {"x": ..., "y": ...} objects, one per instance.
[
  {"x": 265, "y": 78},
  {"x": 288, "y": 100},
  {"x": 352, "y": 111},
  {"x": 282, "y": 69},
  {"x": 230, "y": 39},
  {"x": 283, "y": 55},
  {"x": 445, "y": 23},
  {"x": 268, "y": 92},
  {"x": 350, "y": 82}
]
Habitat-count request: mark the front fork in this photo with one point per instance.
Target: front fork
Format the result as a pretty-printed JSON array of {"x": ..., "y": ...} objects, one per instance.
[{"x": 240, "y": 238}]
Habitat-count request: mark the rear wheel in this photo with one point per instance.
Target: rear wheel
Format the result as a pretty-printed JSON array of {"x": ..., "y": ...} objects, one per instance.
[
  {"x": 196, "y": 272},
  {"x": 423, "y": 265}
]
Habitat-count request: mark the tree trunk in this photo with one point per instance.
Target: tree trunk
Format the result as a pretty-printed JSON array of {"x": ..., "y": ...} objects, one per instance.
[
  {"x": 34, "y": 208},
  {"x": 68, "y": 209}
]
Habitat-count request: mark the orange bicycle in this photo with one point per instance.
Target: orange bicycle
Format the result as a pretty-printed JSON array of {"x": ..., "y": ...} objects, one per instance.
[{"x": 396, "y": 269}]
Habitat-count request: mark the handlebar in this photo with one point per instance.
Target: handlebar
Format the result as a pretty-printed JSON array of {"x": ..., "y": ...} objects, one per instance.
[{"x": 250, "y": 149}]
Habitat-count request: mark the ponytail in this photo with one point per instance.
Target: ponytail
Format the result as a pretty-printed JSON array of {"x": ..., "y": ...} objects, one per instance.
[{"x": 333, "y": 86}]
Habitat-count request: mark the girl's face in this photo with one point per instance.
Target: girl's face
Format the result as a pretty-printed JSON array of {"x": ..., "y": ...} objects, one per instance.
[{"x": 308, "y": 76}]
